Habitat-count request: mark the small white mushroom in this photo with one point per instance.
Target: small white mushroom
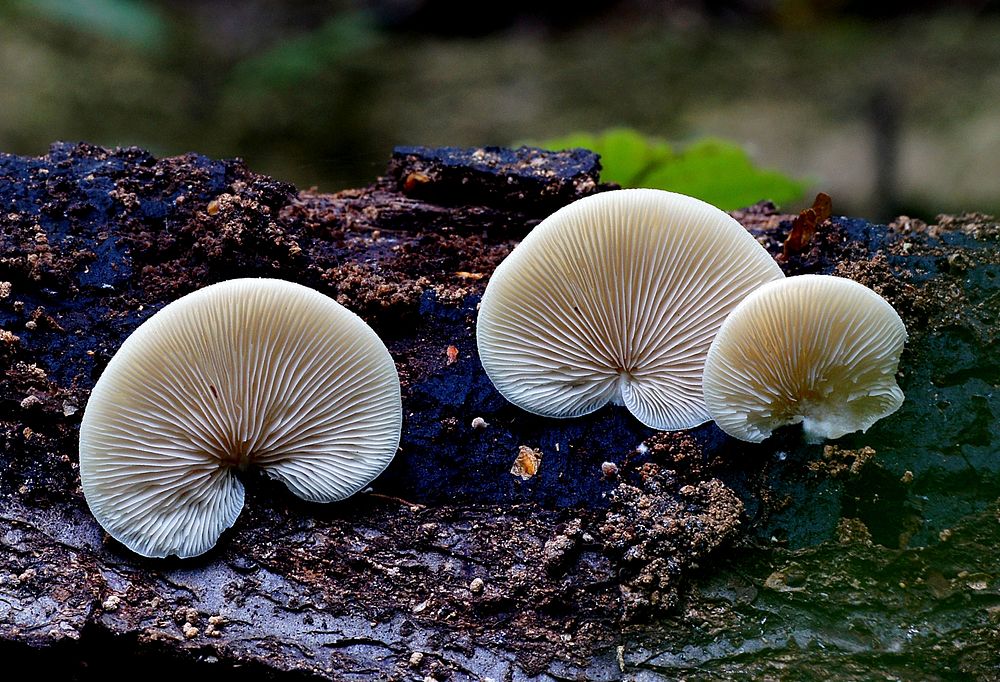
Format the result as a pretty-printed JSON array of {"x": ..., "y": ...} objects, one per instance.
[
  {"x": 616, "y": 298},
  {"x": 246, "y": 372},
  {"x": 814, "y": 349}
]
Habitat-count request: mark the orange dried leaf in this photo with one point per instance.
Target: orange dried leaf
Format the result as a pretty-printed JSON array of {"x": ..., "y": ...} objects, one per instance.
[
  {"x": 414, "y": 180},
  {"x": 452, "y": 354},
  {"x": 804, "y": 226},
  {"x": 527, "y": 463},
  {"x": 823, "y": 206}
]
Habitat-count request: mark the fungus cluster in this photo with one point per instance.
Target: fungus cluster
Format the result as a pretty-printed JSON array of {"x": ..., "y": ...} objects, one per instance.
[
  {"x": 643, "y": 298},
  {"x": 249, "y": 372},
  {"x": 616, "y": 298},
  {"x": 666, "y": 305}
]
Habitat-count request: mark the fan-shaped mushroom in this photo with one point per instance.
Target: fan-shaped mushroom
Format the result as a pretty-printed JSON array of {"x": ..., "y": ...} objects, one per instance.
[
  {"x": 814, "y": 349},
  {"x": 616, "y": 297},
  {"x": 246, "y": 372}
]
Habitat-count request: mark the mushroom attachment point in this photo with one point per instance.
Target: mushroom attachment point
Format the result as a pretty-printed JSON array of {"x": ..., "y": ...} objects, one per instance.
[
  {"x": 248, "y": 372},
  {"x": 813, "y": 349},
  {"x": 616, "y": 298}
]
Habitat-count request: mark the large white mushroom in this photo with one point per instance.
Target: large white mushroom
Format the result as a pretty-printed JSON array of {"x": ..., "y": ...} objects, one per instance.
[
  {"x": 616, "y": 298},
  {"x": 257, "y": 372},
  {"x": 814, "y": 349}
]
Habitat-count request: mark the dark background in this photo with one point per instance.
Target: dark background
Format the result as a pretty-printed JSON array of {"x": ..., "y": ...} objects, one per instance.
[{"x": 891, "y": 107}]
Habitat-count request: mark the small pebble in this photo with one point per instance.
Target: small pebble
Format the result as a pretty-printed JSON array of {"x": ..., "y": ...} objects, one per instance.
[
  {"x": 190, "y": 631},
  {"x": 609, "y": 469},
  {"x": 30, "y": 402},
  {"x": 416, "y": 658},
  {"x": 215, "y": 624},
  {"x": 111, "y": 603},
  {"x": 476, "y": 586},
  {"x": 479, "y": 423}
]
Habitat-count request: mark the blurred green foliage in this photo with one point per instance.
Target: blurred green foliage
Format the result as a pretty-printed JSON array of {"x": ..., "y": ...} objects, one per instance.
[
  {"x": 295, "y": 60},
  {"x": 713, "y": 170},
  {"x": 318, "y": 93},
  {"x": 134, "y": 21}
]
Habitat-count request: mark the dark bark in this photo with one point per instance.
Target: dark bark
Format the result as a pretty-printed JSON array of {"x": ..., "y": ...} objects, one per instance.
[{"x": 452, "y": 567}]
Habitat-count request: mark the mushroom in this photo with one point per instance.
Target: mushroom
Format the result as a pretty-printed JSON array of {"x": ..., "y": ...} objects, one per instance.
[
  {"x": 814, "y": 349},
  {"x": 616, "y": 298},
  {"x": 246, "y": 372}
]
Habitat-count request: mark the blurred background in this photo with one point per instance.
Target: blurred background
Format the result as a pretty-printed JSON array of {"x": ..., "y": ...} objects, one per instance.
[{"x": 891, "y": 107}]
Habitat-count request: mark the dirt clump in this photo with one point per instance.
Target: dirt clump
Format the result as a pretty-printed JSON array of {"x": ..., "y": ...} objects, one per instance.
[
  {"x": 657, "y": 531},
  {"x": 381, "y": 297},
  {"x": 838, "y": 462}
]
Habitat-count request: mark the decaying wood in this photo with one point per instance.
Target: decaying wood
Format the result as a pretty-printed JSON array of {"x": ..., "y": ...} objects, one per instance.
[{"x": 452, "y": 567}]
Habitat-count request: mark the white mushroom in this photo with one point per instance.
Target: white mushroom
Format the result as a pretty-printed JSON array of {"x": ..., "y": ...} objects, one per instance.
[
  {"x": 246, "y": 372},
  {"x": 814, "y": 349},
  {"x": 616, "y": 298}
]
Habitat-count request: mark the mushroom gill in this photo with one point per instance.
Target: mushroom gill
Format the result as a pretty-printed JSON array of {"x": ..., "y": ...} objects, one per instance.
[
  {"x": 616, "y": 298},
  {"x": 248, "y": 372},
  {"x": 814, "y": 349}
]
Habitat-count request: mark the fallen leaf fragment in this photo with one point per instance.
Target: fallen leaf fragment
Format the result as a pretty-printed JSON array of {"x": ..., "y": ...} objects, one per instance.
[
  {"x": 804, "y": 226},
  {"x": 527, "y": 462}
]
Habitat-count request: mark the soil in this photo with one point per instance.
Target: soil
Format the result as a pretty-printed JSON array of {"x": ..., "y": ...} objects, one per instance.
[{"x": 452, "y": 566}]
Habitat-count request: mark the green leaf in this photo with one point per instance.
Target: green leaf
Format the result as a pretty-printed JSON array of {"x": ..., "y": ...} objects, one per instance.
[{"x": 714, "y": 170}]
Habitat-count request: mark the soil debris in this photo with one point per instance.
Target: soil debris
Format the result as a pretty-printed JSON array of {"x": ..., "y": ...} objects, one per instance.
[
  {"x": 657, "y": 531},
  {"x": 838, "y": 462}
]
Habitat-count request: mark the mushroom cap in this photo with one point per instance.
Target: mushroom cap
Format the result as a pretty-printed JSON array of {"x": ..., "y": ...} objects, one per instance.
[
  {"x": 814, "y": 349},
  {"x": 616, "y": 298},
  {"x": 248, "y": 371}
]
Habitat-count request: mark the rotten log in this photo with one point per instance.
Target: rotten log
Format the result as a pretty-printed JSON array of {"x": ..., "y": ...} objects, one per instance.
[{"x": 452, "y": 567}]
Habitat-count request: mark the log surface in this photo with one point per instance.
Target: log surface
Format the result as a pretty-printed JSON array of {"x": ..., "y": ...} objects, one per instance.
[{"x": 450, "y": 567}]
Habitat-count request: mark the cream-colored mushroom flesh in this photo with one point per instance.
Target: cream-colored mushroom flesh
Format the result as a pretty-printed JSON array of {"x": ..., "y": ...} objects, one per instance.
[
  {"x": 813, "y": 349},
  {"x": 616, "y": 298},
  {"x": 246, "y": 372}
]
